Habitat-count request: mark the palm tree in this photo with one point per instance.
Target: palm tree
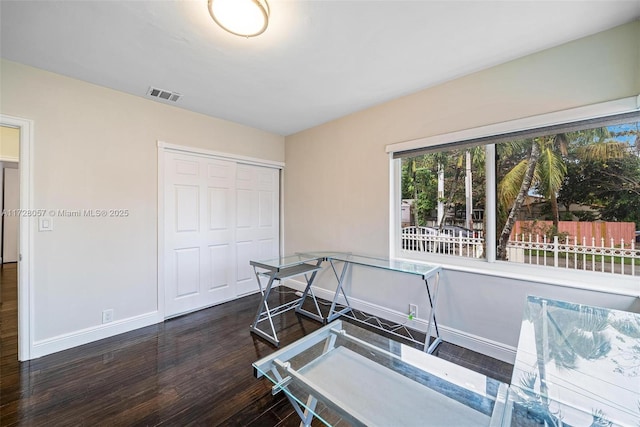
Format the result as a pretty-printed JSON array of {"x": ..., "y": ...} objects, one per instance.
[
  {"x": 551, "y": 170},
  {"x": 523, "y": 173},
  {"x": 545, "y": 169},
  {"x": 458, "y": 159}
]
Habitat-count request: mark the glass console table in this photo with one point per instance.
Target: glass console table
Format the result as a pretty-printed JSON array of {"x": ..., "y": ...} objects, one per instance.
[
  {"x": 344, "y": 372},
  {"x": 576, "y": 365}
]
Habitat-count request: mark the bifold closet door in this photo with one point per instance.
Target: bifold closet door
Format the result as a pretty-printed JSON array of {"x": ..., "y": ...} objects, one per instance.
[
  {"x": 257, "y": 221},
  {"x": 218, "y": 215},
  {"x": 199, "y": 232}
]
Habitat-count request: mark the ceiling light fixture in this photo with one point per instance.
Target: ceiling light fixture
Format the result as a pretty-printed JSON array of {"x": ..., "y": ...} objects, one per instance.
[{"x": 246, "y": 18}]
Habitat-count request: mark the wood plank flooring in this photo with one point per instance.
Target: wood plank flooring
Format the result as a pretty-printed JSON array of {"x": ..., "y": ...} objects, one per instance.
[{"x": 191, "y": 370}]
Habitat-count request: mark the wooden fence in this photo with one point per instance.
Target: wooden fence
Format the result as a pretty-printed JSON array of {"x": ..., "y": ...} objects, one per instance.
[{"x": 581, "y": 230}]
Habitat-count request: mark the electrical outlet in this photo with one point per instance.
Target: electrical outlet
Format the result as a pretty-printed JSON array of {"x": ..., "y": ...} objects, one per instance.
[
  {"x": 413, "y": 311},
  {"x": 107, "y": 315}
]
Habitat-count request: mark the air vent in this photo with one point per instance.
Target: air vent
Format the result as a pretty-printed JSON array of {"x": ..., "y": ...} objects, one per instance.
[{"x": 164, "y": 94}]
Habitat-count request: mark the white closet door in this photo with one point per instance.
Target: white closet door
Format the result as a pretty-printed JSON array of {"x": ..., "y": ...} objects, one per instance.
[
  {"x": 199, "y": 232},
  {"x": 218, "y": 215},
  {"x": 257, "y": 221}
]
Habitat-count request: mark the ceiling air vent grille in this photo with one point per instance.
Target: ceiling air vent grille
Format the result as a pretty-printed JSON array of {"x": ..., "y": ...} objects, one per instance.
[{"x": 164, "y": 94}]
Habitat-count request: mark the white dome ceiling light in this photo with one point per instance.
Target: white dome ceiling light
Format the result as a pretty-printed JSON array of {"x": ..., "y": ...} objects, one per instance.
[{"x": 245, "y": 18}]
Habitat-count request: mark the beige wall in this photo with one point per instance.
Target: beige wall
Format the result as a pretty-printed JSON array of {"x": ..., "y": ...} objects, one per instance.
[
  {"x": 96, "y": 148},
  {"x": 337, "y": 176},
  {"x": 9, "y": 144},
  {"x": 345, "y": 159}
]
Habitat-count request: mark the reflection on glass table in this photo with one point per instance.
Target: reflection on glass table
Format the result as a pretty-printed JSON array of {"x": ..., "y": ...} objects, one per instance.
[
  {"x": 576, "y": 365},
  {"x": 344, "y": 373}
]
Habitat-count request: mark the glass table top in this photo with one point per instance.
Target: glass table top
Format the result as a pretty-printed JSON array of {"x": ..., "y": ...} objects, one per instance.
[
  {"x": 389, "y": 264},
  {"x": 421, "y": 269},
  {"x": 364, "y": 378},
  {"x": 285, "y": 261},
  {"x": 576, "y": 365}
]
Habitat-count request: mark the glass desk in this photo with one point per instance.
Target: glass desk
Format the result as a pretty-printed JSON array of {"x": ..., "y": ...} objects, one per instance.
[
  {"x": 426, "y": 272},
  {"x": 278, "y": 269},
  {"x": 360, "y": 377},
  {"x": 309, "y": 263},
  {"x": 576, "y": 365}
]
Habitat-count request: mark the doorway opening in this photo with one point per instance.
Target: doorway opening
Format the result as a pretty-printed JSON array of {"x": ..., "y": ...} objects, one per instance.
[
  {"x": 9, "y": 232},
  {"x": 16, "y": 141}
]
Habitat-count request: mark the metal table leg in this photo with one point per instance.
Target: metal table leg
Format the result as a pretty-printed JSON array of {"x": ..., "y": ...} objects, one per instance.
[
  {"x": 333, "y": 314},
  {"x": 264, "y": 312},
  {"x": 432, "y": 316},
  {"x": 263, "y": 308},
  {"x": 308, "y": 291}
]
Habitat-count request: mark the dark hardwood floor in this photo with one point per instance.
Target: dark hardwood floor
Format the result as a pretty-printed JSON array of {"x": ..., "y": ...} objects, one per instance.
[{"x": 191, "y": 370}]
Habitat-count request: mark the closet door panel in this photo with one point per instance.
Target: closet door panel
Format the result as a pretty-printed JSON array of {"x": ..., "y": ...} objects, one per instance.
[
  {"x": 258, "y": 190},
  {"x": 218, "y": 216}
]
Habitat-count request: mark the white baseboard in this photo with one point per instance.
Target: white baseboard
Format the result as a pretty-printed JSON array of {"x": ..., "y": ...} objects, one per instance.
[
  {"x": 85, "y": 336},
  {"x": 476, "y": 343}
]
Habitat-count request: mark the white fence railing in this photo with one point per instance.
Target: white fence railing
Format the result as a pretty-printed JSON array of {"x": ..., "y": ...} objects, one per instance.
[
  {"x": 608, "y": 257},
  {"x": 576, "y": 254},
  {"x": 428, "y": 239}
]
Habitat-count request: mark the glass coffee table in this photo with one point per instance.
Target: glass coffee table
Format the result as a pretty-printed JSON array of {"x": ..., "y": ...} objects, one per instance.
[{"x": 364, "y": 378}]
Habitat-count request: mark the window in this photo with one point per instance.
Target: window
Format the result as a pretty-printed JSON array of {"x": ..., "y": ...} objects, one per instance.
[
  {"x": 563, "y": 195},
  {"x": 443, "y": 201}
]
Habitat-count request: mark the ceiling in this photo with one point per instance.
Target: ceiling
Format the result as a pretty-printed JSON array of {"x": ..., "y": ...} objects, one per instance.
[{"x": 317, "y": 61}]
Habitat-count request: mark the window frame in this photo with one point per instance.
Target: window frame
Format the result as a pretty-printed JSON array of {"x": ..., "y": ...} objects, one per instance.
[{"x": 597, "y": 281}]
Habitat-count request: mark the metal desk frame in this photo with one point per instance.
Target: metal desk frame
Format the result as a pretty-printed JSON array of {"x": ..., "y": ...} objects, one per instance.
[{"x": 276, "y": 270}]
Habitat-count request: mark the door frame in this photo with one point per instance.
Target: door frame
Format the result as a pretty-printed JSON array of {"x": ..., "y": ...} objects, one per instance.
[
  {"x": 164, "y": 147},
  {"x": 27, "y": 224}
]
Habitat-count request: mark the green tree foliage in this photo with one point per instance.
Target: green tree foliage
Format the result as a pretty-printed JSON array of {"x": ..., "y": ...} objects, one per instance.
[
  {"x": 605, "y": 177},
  {"x": 612, "y": 188},
  {"x": 420, "y": 182},
  {"x": 555, "y": 167}
]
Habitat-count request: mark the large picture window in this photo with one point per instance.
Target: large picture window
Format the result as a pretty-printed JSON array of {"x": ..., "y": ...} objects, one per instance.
[{"x": 564, "y": 196}]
